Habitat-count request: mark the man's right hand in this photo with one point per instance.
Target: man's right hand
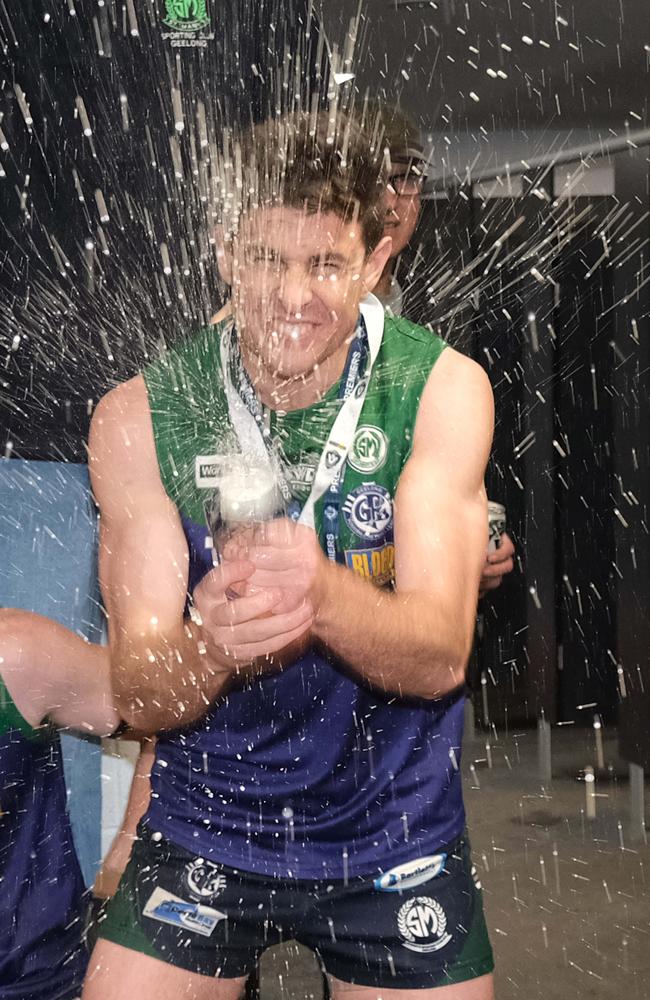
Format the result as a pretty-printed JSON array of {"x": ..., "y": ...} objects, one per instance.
[{"x": 241, "y": 633}]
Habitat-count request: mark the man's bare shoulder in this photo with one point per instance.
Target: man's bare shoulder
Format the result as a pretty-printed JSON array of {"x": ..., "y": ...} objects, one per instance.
[
  {"x": 459, "y": 372},
  {"x": 127, "y": 402},
  {"x": 457, "y": 386},
  {"x": 455, "y": 420},
  {"x": 224, "y": 313},
  {"x": 121, "y": 440}
]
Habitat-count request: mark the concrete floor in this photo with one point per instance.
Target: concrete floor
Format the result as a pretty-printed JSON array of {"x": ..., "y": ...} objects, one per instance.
[{"x": 567, "y": 899}]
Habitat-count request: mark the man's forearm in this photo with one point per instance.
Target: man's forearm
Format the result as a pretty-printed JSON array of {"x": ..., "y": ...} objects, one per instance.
[
  {"x": 406, "y": 643},
  {"x": 165, "y": 681}
]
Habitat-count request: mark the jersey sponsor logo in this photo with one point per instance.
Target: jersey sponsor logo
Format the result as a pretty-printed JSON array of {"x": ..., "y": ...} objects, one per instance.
[
  {"x": 368, "y": 511},
  {"x": 411, "y": 874},
  {"x": 170, "y": 909},
  {"x": 422, "y": 923},
  {"x": 204, "y": 879},
  {"x": 301, "y": 474},
  {"x": 377, "y": 565},
  {"x": 208, "y": 470},
  {"x": 189, "y": 23},
  {"x": 369, "y": 449}
]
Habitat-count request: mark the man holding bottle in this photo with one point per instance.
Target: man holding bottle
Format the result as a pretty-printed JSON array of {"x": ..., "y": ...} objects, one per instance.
[{"x": 306, "y": 777}]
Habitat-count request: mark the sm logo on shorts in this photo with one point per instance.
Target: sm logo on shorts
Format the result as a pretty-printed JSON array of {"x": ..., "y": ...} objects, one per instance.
[{"x": 377, "y": 565}]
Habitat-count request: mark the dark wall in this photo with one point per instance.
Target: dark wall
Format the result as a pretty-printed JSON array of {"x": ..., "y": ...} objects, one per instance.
[
  {"x": 584, "y": 474},
  {"x": 86, "y": 294},
  {"x": 589, "y": 68},
  {"x": 571, "y": 396},
  {"x": 631, "y": 494}
]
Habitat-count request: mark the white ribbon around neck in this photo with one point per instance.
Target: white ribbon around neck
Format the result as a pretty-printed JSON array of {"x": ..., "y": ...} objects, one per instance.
[{"x": 341, "y": 436}]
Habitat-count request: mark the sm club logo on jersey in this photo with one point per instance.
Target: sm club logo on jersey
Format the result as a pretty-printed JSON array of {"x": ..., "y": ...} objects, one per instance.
[
  {"x": 422, "y": 924},
  {"x": 368, "y": 511},
  {"x": 369, "y": 449},
  {"x": 377, "y": 565}
]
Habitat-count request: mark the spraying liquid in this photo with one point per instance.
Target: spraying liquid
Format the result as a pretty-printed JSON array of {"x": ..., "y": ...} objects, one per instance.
[{"x": 247, "y": 497}]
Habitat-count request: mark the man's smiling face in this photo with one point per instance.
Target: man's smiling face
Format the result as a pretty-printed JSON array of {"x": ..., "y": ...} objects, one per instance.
[{"x": 298, "y": 279}]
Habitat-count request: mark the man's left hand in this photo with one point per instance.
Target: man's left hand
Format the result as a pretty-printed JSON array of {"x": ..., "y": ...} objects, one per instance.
[
  {"x": 287, "y": 556},
  {"x": 497, "y": 565}
]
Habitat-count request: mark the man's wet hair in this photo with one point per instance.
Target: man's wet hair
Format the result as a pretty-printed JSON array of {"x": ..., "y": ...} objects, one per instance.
[{"x": 311, "y": 162}]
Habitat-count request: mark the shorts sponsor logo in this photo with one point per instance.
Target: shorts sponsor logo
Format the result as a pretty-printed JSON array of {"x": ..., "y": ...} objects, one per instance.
[
  {"x": 176, "y": 912},
  {"x": 477, "y": 881},
  {"x": 377, "y": 565},
  {"x": 208, "y": 470},
  {"x": 369, "y": 449},
  {"x": 412, "y": 874},
  {"x": 422, "y": 924},
  {"x": 368, "y": 511},
  {"x": 204, "y": 879}
]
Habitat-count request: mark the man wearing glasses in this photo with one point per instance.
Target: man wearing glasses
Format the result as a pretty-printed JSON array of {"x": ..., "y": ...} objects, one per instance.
[{"x": 402, "y": 199}]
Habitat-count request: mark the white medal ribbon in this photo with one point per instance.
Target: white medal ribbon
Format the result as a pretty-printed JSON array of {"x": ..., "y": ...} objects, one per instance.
[{"x": 341, "y": 436}]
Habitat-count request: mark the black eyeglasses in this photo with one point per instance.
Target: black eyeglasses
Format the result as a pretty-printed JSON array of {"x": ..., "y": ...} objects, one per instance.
[{"x": 408, "y": 184}]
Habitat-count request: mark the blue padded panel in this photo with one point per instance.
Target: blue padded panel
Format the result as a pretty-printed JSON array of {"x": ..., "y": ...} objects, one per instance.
[{"x": 48, "y": 541}]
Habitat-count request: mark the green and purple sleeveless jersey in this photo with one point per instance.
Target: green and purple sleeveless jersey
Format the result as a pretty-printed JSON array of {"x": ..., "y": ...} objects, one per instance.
[
  {"x": 11, "y": 719},
  {"x": 42, "y": 953},
  {"x": 308, "y": 773}
]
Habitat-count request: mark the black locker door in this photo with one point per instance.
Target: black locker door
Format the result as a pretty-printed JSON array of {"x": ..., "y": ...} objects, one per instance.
[
  {"x": 583, "y": 470},
  {"x": 631, "y": 385},
  {"x": 480, "y": 298},
  {"x": 517, "y": 652},
  {"x": 550, "y": 632}
]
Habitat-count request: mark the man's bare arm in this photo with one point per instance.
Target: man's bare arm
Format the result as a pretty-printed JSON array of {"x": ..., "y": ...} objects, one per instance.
[
  {"x": 54, "y": 674},
  {"x": 160, "y": 677},
  {"x": 415, "y": 641},
  {"x": 165, "y": 670}
]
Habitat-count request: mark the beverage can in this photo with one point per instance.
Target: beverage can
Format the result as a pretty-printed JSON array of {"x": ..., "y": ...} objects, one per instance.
[{"x": 497, "y": 524}]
